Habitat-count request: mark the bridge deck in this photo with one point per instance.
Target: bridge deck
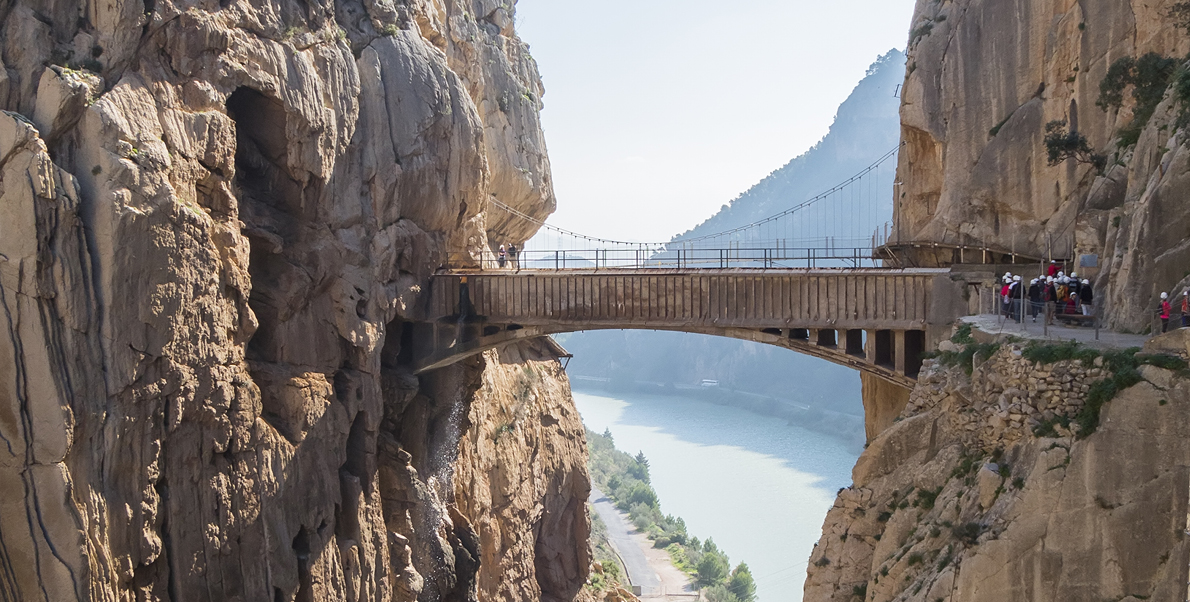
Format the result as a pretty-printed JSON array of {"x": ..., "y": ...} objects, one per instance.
[{"x": 705, "y": 298}]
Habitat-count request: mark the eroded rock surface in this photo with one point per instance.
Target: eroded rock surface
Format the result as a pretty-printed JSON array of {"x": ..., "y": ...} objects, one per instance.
[
  {"x": 983, "y": 80},
  {"x": 979, "y": 492},
  {"x": 217, "y": 221}
]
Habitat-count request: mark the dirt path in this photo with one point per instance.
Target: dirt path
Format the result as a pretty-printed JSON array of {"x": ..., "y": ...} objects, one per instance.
[
  {"x": 650, "y": 568},
  {"x": 674, "y": 584}
]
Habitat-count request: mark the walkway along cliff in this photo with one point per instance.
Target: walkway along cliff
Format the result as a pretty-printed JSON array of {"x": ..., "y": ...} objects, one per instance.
[
  {"x": 217, "y": 220},
  {"x": 1042, "y": 128}
]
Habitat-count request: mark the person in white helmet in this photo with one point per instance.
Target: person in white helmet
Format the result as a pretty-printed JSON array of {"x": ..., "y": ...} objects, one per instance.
[
  {"x": 1186, "y": 308},
  {"x": 1050, "y": 296},
  {"x": 1014, "y": 293},
  {"x": 1004, "y": 298},
  {"x": 1086, "y": 296},
  {"x": 1165, "y": 309},
  {"x": 1035, "y": 287}
]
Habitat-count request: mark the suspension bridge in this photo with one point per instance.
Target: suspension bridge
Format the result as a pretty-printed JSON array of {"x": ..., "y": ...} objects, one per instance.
[{"x": 810, "y": 278}]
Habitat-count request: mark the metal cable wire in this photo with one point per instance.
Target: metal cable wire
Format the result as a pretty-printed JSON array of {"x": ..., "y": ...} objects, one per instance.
[{"x": 685, "y": 241}]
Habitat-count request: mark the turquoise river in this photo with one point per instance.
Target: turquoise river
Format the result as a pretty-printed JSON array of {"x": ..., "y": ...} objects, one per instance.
[{"x": 759, "y": 486}]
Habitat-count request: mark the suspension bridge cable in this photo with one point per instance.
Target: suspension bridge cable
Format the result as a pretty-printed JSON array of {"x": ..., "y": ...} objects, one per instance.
[{"x": 838, "y": 188}]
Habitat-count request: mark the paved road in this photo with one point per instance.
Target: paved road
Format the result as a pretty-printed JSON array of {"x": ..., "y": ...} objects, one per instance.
[{"x": 619, "y": 532}]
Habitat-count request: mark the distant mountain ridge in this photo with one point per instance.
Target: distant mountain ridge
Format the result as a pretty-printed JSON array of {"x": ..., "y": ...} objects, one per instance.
[{"x": 866, "y": 127}]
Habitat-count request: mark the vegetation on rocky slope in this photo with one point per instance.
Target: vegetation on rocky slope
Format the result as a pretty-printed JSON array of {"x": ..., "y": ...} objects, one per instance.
[
  {"x": 625, "y": 479},
  {"x": 997, "y": 438}
]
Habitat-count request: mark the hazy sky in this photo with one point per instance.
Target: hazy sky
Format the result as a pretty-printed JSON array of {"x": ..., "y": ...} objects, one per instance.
[{"x": 657, "y": 112}]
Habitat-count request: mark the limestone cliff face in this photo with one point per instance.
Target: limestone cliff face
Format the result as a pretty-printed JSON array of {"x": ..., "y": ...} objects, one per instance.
[
  {"x": 523, "y": 462},
  {"x": 216, "y": 220},
  {"x": 983, "y": 80},
  {"x": 960, "y": 500}
]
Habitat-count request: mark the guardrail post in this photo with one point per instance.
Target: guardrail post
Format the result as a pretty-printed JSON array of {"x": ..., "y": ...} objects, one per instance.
[{"x": 1095, "y": 319}]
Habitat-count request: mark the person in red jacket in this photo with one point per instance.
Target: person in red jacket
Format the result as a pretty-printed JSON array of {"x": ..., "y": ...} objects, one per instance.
[
  {"x": 1053, "y": 271},
  {"x": 1165, "y": 309}
]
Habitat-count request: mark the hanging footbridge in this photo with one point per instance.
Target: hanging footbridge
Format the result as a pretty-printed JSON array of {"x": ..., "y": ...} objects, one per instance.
[{"x": 829, "y": 296}]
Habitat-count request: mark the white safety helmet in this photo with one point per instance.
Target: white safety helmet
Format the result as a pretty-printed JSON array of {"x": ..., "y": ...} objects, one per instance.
[
  {"x": 1061, "y": 273},
  {"x": 1186, "y": 293},
  {"x": 1164, "y": 296},
  {"x": 1049, "y": 279},
  {"x": 1085, "y": 281},
  {"x": 1074, "y": 274},
  {"x": 1016, "y": 278}
]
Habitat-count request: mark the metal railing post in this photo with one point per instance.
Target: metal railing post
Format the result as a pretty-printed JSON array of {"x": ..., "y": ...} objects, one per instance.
[{"x": 1095, "y": 319}]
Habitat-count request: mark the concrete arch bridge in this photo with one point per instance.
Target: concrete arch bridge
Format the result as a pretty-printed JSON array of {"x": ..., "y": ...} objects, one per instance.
[{"x": 877, "y": 321}]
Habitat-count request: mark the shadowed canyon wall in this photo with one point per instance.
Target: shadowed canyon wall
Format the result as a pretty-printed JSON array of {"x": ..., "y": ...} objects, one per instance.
[{"x": 216, "y": 222}]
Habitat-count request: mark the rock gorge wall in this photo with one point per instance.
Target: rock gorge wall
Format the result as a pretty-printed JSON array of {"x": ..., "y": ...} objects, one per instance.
[
  {"x": 216, "y": 220},
  {"x": 963, "y": 500},
  {"x": 983, "y": 80}
]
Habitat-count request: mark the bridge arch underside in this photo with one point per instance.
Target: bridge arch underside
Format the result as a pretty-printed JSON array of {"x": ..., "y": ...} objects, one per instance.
[{"x": 891, "y": 355}]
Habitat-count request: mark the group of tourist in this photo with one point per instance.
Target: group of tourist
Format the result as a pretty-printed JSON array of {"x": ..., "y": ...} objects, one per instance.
[
  {"x": 1167, "y": 308},
  {"x": 508, "y": 255},
  {"x": 1061, "y": 294},
  {"x": 1066, "y": 295}
]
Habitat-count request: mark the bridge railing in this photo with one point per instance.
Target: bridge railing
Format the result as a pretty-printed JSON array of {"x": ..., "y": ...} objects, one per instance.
[{"x": 686, "y": 258}]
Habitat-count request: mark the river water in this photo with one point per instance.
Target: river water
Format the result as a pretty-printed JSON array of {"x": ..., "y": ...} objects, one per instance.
[{"x": 759, "y": 486}]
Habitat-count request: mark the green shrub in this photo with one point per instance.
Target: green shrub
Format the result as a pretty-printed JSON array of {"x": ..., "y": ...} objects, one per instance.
[
  {"x": 860, "y": 591},
  {"x": 967, "y": 465},
  {"x": 712, "y": 569},
  {"x": 1181, "y": 92},
  {"x": 1149, "y": 76},
  {"x": 926, "y": 498},
  {"x": 968, "y": 533},
  {"x": 1123, "y": 368},
  {"x": 1044, "y": 353},
  {"x": 1111, "y": 88},
  {"x": 1061, "y": 145},
  {"x": 741, "y": 584},
  {"x": 962, "y": 335},
  {"x": 719, "y": 593}
]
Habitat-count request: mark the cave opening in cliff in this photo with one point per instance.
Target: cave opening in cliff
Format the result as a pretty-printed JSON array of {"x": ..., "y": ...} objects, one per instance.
[
  {"x": 261, "y": 185},
  {"x": 361, "y": 452},
  {"x": 398, "y": 345}
]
